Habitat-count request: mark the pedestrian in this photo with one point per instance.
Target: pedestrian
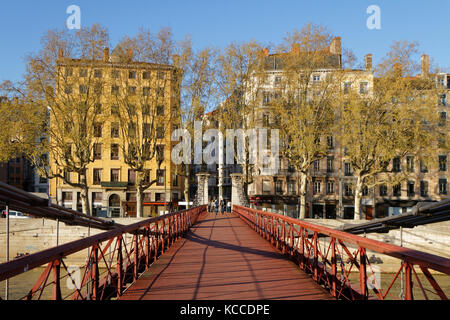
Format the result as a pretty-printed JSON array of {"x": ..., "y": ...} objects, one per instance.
[
  {"x": 229, "y": 206},
  {"x": 216, "y": 206}
]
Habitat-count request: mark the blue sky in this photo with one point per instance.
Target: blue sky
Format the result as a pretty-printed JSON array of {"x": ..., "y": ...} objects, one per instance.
[{"x": 217, "y": 23}]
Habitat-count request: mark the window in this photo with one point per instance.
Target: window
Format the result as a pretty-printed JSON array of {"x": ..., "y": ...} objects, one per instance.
[
  {"x": 147, "y": 175},
  {"x": 317, "y": 187},
  {"x": 115, "y": 175},
  {"x": 330, "y": 164},
  {"x": 266, "y": 98},
  {"x": 98, "y": 109},
  {"x": 83, "y": 73},
  {"x": 316, "y": 78},
  {"x": 97, "y": 196},
  {"x": 160, "y": 133},
  {"x": 317, "y": 165},
  {"x": 83, "y": 89},
  {"x": 67, "y": 196},
  {"x": 146, "y": 75},
  {"x": 410, "y": 163},
  {"x": 330, "y": 142},
  {"x": 424, "y": 188},
  {"x": 277, "y": 81},
  {"x": 396, "y": 165},
  {"x": 330, "y": 187},
  {"x": 347, "y": 87},
  {"x": 146, "y": 91},
  {"x": 98, "y": 130},
  {"x": 365, "y": 191},
  {"x": 114, "y": 152},
  {"x": 383, "y": 190},
  {"x": 160, "y": 175},
  {"x": 161, "y": 75},
  {"x": 97, "y": 151},
  {"x": 114, "y": 130},
  {"x": 67, "y": 176},
  {"x": 69, "y": 72},
  {"x": 423, "y": 167},
  {"x": 131, "y": 176},
  {"x": 265, "y": 120},
  {"x": 160, "y": 153},
  {"x": 266, "y": 187},
  {"x": 160, "y": 197},
  {"x": 68, "y": 89},
  {"x": 97, "y": 73},
  {"x": 132, "y": 75},
  {"x": 364, "y": 87},
  {"x": 174, "y": 180},
  {"x": 160, "y": 110},
  {"x": 397, "y": 190},
  {"x": 115, "y": 110},
  {"x": 348, "y": 192},
  {"x": 442, "y": 186},
  {"x": 442, "y": 100},
  {"x": 347, "y": 169},
  {"x": 146, "y": 109},
  {"x": 442, "y": 119},
  {"x": 442, "y": 163},
  {"x": 115, "y": 74},
  {"x": 97, "y": 178},
  {"x": 114, "y": 90},
  {"x": 278, "y": 187},
  {"x": 132, "y": 90},
  {"x": 291, "y": 187},
  {"x": 411, "y": 189},
  {"x": 132, "y": 130},
  {"x": 42, "y": 179},
  {"x": 160, "y": 92}
]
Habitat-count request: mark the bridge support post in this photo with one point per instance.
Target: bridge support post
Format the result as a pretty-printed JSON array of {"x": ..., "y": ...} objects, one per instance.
[
  {"x": 238, "y": 196},
  {"x": 202, "y": 188}
]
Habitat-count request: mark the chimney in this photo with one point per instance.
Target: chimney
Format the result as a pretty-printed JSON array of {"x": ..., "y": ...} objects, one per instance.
[
  {"x": 266, "y": 52},
  {"x": 176, "y": 60},
  {"x": 60, "y": 54},
  {"x": 106, "y": 55},
  {"x": 335, "y": 46},
  {"x": 368, "y": 62},
  {"x": 398, "y": 69},
  {"x": 295, "y": 48},
  {"x": 424, "y": 65}
]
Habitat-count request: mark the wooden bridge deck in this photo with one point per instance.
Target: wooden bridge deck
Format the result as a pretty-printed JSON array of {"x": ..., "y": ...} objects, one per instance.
[{"x": 221, "y": 258}]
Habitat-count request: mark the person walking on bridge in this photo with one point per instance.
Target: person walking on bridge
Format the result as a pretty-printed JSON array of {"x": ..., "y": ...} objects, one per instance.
[{"x": 216, "y": 206}]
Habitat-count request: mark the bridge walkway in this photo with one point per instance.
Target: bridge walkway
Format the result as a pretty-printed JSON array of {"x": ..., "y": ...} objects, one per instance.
[{"x": 221, "y": 258}]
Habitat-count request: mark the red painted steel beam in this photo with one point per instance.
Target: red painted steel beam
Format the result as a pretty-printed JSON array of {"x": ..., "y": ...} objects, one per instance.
[
  {"x": 411, "y": 256},
  {"x": 23, "y": 264}
]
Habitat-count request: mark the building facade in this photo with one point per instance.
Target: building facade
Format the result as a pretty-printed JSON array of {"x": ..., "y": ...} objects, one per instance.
[
  {"x": 330, "y": 180},
  {"x": 111, "y": 181}
]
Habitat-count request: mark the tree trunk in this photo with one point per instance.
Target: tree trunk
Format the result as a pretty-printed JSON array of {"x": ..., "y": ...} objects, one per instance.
[
  {"x": 85, "y": 196},
  {"x": 302, "y": 195},
  {"x": 358, "y": 194},
  {"x": 139, "y": 202}
]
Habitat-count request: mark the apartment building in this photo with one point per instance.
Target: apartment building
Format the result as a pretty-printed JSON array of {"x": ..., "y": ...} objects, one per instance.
[
  {"x": 329, "y": 187},
  {"x": 111, "y": 181}
]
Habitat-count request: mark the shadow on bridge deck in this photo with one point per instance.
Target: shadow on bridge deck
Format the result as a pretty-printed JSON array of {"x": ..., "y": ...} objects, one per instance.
[{"x": 221, "y": 258}]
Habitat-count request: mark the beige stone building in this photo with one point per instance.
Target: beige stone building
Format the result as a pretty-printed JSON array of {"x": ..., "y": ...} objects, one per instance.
[
  {"x": 329, "y": 188},
  {"x": 111, "y": 181}
]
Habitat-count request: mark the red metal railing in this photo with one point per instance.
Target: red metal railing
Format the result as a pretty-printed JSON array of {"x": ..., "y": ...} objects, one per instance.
[
  {"x": 331, "y": 263},
  {"x": 112, "y": 263}
]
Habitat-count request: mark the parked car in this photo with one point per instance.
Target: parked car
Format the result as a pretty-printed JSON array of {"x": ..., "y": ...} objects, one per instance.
[{"x": 15, "y": 215}]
